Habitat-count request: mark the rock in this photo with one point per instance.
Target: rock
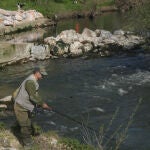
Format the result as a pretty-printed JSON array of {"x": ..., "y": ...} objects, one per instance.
[
  {"x": 50, "y": 41},
  {"x": 38, "y": 15},
  {"x": 18, "y": 17},
  {"x": 11, "y": 53},
  {"x": 69, "y": 43},
  {"x": 6, "y": 99},
  {"x": 108, "y": 41},
  {"x": 13, "y": 18},
  {"x": 7, "y": 13},
  {"x": 119, "y": 32},
  {"x": 76, "y": 49},
  {"x": 103, "y": 34},
  {"x": 30, "y": 15},
  {"x": 102, "y": 40},
  {"x": 62, "y": 48},
  {"x": 88, "y": 47},
  {"x": 40, "y": 52},
  {"x": 8, "y": 141},
  {"x": 68, "y": 36},
  {"x": 24, "y": 25},
  {"x": 3, "y": 106},
  {"x": 88, "y": 33},
  {"x": 97, "y": 41},
  {"x": 115, "y": 38},
  {"x": 130, "y": 42},
  {"x": 59, "y": 49},
  {"x": 8, "y": 21}
]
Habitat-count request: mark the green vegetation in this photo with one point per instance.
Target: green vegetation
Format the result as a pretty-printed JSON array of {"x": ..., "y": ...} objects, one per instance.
[
  {"x": 2, "y": 126},
  {"x": 141, "y": 19},
  {"x": 51, "y": 7},
  {"x": 74, "y": 144},
  {"x": 107, "y": 3}
]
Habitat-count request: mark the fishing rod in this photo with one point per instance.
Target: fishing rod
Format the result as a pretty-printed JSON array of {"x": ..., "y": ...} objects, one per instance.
[
  {"x": 74, "y": 120},
  {"x": 111, "y": 138},
  {"x": 80, "y": 123}
]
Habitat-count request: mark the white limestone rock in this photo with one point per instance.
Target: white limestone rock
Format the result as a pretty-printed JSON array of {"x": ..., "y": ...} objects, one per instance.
[{"x": 40, "y": 52}]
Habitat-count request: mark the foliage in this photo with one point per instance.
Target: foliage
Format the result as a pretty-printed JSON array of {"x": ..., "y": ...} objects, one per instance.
[
  {"x": 139, "y": 18},
  {"x": 51, "y": 7},
  {"x": 127, "y": 4},
  {"x": 74, "y": 144},
  {"x": 2, "y": 126}
]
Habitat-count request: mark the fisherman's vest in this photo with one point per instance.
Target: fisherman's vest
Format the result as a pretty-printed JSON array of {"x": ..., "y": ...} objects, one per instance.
[{"x": 23, "y": 98}]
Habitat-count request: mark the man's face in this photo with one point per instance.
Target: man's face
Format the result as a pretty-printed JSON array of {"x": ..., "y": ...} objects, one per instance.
[{"x": 38, "y": 75}]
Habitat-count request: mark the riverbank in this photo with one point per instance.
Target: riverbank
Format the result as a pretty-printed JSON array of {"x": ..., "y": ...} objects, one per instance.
[
  {"x": 45, "y": 141},
  {"x": 50, "y": 8},
  {"x": 70, "y": 44},
  {"x": 18, "y": 21}
]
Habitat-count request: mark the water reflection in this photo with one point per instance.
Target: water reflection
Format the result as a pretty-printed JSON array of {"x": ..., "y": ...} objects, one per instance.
[{"x": 108, "y": 21}]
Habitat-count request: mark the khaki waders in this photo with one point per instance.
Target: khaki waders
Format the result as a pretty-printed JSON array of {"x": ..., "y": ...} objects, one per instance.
[{"x": 24, "y": 120}]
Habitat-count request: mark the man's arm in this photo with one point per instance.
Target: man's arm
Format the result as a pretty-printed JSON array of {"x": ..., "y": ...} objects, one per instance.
[{"x": 34, "y": 96}]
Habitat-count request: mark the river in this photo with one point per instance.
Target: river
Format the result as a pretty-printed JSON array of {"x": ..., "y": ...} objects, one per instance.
[{"x": 91, "y": 90}]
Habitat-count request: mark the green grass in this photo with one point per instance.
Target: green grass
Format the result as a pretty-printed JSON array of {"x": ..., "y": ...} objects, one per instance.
[
  {"x": 2, "y": 126},
  {"x": 51, "y": 7},
  {"x": 74, "y": 144},
  {"x": 108, "y": 3}
]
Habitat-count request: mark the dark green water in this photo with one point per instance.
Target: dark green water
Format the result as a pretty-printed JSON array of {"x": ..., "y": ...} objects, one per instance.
[
  {"x": 91, "y": 90},
  {"x": 107, "y": 21}
]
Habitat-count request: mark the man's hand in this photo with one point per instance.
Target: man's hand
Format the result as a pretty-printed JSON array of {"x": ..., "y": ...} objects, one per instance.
[{"x": 45, "y": 106}]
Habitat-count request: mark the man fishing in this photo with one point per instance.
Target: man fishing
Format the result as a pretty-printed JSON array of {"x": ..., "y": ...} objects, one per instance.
[{"x": 26, "y": 100}]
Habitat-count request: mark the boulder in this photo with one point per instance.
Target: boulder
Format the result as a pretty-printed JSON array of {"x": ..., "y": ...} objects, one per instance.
[
  {"x": 7, "y": 13},
  {"x": 59, "y": 49},
  {"x": 88, "y": 47},
  {"x": 40, "y": 52},
  {"x": 18, "y": 17},
  {"x": 8, "y": 21},
  {"x": 88, "y": 33},
  {"x": 50, "y": 41},
  {"x": 68, "y": 36},
  {"x": 11, "y": 53},
  {"x": 130, "y": 42},
  {"x": 76, "y": 49},
  {"x": 13, "y": 18},
  {"x": 103, "y": 34},
  {"x": 3, "y": 106},
  {"x": 101, "y": 40},
  {"x": 6, "y": 99},
  {"x": 119, "y": 32}
]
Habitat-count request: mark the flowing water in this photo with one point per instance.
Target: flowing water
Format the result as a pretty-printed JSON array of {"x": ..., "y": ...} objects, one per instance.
[{"x": 91, "y": 90}]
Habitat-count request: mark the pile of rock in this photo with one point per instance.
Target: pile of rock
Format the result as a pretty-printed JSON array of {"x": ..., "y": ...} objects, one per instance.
[
  {"x": 102, "y": 42},
  {"x": 12, "y": 18},
  {"x": 69, "y": 43}
]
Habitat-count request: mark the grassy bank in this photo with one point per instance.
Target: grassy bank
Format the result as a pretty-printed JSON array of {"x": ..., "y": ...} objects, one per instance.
[
  {"x": 51, "y": 7},
  {"x": 45, "y": 141}
]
